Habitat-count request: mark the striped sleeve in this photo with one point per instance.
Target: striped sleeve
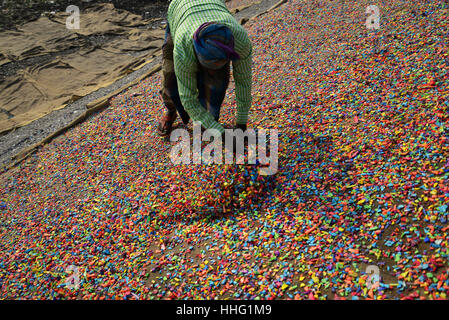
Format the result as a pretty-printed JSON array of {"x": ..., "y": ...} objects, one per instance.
[{"x": 243, "y": 79}]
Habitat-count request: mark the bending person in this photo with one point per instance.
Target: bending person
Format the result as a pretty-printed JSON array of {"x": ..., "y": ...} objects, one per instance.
[{"x": 202, "y": 38}]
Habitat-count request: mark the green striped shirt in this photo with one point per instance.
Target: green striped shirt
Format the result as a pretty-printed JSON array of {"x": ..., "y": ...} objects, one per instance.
[{"x": 184, "y": 18}]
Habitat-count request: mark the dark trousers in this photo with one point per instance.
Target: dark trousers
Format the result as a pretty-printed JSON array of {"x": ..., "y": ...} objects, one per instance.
[{"x": 212, "y": 84}]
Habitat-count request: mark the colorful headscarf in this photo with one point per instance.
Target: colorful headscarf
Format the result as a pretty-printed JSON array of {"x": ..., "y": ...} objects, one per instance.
[{"x": 214, "y": 45}]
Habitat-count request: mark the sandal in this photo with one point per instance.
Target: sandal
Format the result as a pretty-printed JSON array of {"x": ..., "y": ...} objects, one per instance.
[{"x": 166, "y": 123}]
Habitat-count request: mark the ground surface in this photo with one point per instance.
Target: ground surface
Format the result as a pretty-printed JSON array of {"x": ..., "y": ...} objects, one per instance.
[{"x": 362, "y": 180}]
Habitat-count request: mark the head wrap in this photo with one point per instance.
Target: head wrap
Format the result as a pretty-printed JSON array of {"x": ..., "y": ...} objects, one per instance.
[{"x": 214, "y": 45}]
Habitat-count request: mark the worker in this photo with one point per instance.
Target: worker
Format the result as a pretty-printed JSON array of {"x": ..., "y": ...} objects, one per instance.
[{"x": 202, "y": 38}]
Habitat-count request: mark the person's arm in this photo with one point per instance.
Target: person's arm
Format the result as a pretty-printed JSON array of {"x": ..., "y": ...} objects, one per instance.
[
  {"x": 186, "y": 70},
  {"x": 243, "y": 82}
]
